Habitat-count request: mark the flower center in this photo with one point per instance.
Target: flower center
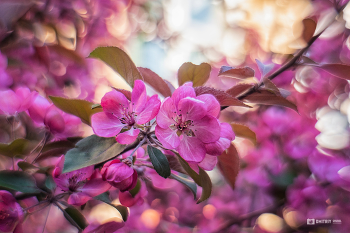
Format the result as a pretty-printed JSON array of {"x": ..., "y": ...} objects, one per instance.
[
  {"x": 128, "y": 117},
  {"x": 75, "y": 181},
  {"x": 182, "y": 126}
]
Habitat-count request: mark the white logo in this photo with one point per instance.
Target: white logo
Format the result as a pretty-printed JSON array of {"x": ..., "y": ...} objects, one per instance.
[{"x": 310, "y": 221}]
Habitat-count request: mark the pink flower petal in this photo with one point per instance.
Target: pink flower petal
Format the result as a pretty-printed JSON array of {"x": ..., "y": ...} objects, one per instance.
[
  {"x": 150, "y": 111},
  {"x": 191, "y": 109},
  {"x": 38, "y": 109},
  {"x": 167, "y": 137},
  {"x": 218, "y": 147},
  {"x": 226, "y": 131},
  {"x": 183, "y": 92},
  {"x": 26, "y": 97},
  {"x": 207, "y": 129},
  {"x": 105, "y": 125},
  {"x": 95, "y": 187},
  {"x": 117, "y": 172},
  {"x": 166, "y": 114},
  {"x": 208, "y": 163},
  {"x": 114, "y": 102},
  {"x": 139, "y": 96},
  {"x": 194, "y": 166},
  {"x": 54, "y": 120},
  {"x": 212, "y": 104},
  {"x": 128, "y": 136},
  {"x": 78, "y": 199},
  {"x": 126, "y": 199},
  {"x": 9, "y": 102},
  {"x": 191, "y": 149}
]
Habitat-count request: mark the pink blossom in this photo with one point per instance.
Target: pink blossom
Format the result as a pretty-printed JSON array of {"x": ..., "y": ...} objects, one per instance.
[
  {"x": 13, "y": 102},
  {"x": 120, "y": 113},
  {"x": 119, "y": 175},
  {"x": 10, "y": 212},
  {"x": 126, "y": 199},
  {"x": 187, "y": 123},
  {"x": 84, "y": 183}
]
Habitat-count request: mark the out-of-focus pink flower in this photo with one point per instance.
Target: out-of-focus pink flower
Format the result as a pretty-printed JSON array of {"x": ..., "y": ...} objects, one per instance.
[
  {"x": 119, "y": 175},
  {"x": 120, "y": 113},
  {"x": 187, "y": 122},
  {"x": 12, "y": 102},
  {"x": 10, "y": 212},
  {"x": 60, "y": 124},
  {"x": 126, "y": 199},
  {"x": 109, "y": 227},
  {"x": 83, "y": 183}
]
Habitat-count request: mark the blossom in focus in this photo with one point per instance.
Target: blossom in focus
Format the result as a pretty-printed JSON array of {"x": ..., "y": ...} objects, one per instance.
[
  {"x": 119, "y": 174},
  {"x": 187, "y": 123},
  {"x": 10, "y": 212},
  {"x": 83, "y": 183},
  {"x": 13, "y": 102},
  {"x": 120, "y": 113}
]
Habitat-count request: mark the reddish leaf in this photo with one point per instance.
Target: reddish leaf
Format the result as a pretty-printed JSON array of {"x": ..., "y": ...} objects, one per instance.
[
  {"x": 206, "y": 185},
  {"x": 43, "y": 55},
  {"x": 155, "y": 81},
  {"x": 125, "y": 92},
  {"x": 269, "y": 85},
  {"x": 228, "y": 163},
  {"x": 338, "y": 70},
  {"x": 71, "y": 54},
  {"x": 244, "y": 132},
  {"x": 224, "y": 98},
  {"x": 240, "y": 73},
  {"x": 309, "y": 29},
  {"x": 266, "y": 97},
  {"x": 239, "y": 89},
  {"x": 197, "y": 74},
  {"x": 118, "y": 60}
]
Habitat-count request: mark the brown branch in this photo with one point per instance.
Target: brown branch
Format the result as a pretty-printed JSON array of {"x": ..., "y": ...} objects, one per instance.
[
  {"x": 250, "y": 215},
  {"x": 289, "y": 64}
]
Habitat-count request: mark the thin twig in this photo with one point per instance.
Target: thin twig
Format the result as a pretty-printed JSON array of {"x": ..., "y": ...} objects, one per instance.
[
  {"x": 41, "y": 149},
  {"x": 250, "y": 215}
]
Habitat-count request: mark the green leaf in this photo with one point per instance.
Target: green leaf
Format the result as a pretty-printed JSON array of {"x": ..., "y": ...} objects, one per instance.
[
  {"x": 123, "y": 210},
  {"x": 19, "y": 147},
  {"x": 19, "y": 181},
  {"x": 58, "y": 144},
  {"x": 118, "y": 60},
  {"x": 90, "y": 151},
  {"x": 188, "y": 183},
  {"x": 29, "y": 168},
  {"x": 197, "y": 74},
  {"x": 228, "y": 163},
  {"x": 72, "y": 213},
  {"x": 50, "y": 183},
  {"x": 96, "y": 106},
  {"x": 135, "y": 190},
  {"x": 194, "y": 175},
  {"x": 80, "y": 108},
  {"x": 104, "y": 197},
  {"x": 159, "y": 161},
  {"x": 206, "y": 185}
]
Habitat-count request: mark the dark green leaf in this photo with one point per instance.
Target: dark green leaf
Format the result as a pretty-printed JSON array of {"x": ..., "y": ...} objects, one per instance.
[
  {"x": 19, "y": 147},
  {"x": 197, "y": 74},
  {"x": 228, "y": 163},
  {"x": 90, "y": 151},
  {"x": 80, "y": 108},
  {"x": 206, "y": 185},
  {"x": 104, "y": 197},
  {"x": 159, "y": 161},
  {"x": 19, "y": 181},
  {"x": 29, "y": 168},
  {"x": 135, "y": 190},
  {"x": 188, "y": 183},
  {"x": 118, "y": 60},
  {"x": 155, "y": 81},
  {"x": 123, "y": 210},
  {"x": 50, "y": 183},
  {"x": 76, "y": 216}
]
